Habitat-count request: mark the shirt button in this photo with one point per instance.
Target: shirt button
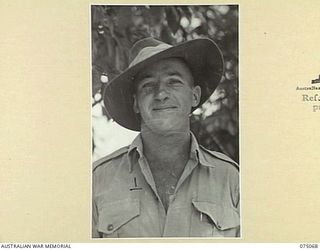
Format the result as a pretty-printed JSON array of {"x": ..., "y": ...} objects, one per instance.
[
  {"x": 110, "y": 227},
  {"x": 171, "y": 198}
]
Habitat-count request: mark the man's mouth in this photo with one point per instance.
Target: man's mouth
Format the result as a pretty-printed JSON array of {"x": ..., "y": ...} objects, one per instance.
[{"x": 164, "y": 108}]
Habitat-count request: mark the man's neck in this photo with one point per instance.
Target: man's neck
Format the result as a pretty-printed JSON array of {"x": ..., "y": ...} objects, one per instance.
[{"x": 169, "y": 150}]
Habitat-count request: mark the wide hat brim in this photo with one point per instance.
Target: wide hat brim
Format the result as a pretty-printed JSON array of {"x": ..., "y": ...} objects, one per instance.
[{"x": 204, "y": 59}]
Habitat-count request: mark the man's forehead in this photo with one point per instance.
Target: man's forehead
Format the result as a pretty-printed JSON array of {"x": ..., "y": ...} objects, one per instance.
[{"x": 169, "y": 66}]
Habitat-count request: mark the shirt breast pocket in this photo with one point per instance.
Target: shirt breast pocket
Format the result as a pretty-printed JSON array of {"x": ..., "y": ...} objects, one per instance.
[
  {"x": 213, "y": 220},
  {"x": 117, "y": 219}
]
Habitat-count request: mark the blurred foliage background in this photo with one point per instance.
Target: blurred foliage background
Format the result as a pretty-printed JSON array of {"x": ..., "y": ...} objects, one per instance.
[{"x": 116, "y": 28}]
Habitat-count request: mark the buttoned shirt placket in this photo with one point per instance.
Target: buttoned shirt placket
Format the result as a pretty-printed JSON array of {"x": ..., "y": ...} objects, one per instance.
[{"x": 166, "y": 216}]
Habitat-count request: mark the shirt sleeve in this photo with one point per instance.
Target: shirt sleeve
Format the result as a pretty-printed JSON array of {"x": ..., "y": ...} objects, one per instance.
[
  {"x": 235, "y": 194},
  {"x": 237, "y": 191},
  {"x": 95, "y": 233}
]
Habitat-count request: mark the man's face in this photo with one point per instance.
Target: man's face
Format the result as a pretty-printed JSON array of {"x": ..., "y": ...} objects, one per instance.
[{"x": 165, "y": 94}]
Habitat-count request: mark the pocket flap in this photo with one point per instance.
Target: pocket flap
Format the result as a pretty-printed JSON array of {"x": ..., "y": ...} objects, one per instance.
[
  {"x": 115, "y": 214},
  {"x": 224, "y": 217}
]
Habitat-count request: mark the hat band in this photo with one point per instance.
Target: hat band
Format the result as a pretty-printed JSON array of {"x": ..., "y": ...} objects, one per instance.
[{"x": 148, "y": 52}]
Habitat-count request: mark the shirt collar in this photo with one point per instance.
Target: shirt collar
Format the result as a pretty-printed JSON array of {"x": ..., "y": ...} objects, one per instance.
[
  {"x": 195, "y": 152},
  {"x": 136, "y": 145},
  {"x": 135, "y": 148}
]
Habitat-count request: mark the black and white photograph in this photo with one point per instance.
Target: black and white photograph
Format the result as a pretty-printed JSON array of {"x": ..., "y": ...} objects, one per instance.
[
  {"x": 141, "y": 123},
  {"x": 165, "y": 121}
]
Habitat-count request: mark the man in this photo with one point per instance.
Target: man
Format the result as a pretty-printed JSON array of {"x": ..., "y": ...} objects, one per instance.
[{"x": 164, "y": 184}]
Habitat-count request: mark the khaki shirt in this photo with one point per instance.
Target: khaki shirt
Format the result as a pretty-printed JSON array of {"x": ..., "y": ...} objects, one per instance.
[{"x": 205, "y": 202}]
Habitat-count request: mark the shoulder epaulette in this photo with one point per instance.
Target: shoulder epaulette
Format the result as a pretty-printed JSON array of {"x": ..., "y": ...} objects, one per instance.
[
  {"x": 221, "y": 156},
  {"x": 109, "y": 157}
]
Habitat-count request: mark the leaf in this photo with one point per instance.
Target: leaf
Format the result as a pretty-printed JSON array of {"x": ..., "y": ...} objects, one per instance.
[
  {"x": 201, "y": 30},
  {"x": 173, "y": 18},
  {"x": 97, "y": 15},
  {"x": 96, "y": 83},
  {"x": 165, "y": 35},
  {"x": 154, "y": 15},
  {"x": 187, "y": 12},
  {"x": 122, "y": 19}
]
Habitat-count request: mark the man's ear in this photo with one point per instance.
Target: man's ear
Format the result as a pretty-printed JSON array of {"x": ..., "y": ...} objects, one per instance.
[
  {"x": 135, "y": 105},
  {"x": 196, "y": 95}
]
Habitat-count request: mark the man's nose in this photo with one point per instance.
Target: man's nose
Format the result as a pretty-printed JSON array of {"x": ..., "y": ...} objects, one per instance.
[{"x": 161, "y": 92}]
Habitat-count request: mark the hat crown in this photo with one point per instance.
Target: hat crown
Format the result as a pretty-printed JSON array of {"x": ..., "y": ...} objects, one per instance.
[{"x": 144, "y": 43}]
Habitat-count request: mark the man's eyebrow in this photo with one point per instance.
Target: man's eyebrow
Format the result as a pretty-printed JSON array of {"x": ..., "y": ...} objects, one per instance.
[
  {"x": 144, "y": 76},
  {"x": 174, "y": 73}
]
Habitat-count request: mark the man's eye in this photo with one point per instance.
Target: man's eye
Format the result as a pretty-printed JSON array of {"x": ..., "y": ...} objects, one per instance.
[
  {"x": 147, "y": 85},
  {"x": 175, "y": 82}
]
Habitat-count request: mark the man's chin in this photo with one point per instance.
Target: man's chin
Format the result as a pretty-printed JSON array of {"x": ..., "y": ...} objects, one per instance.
[{"x": 167, "y": 128}]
